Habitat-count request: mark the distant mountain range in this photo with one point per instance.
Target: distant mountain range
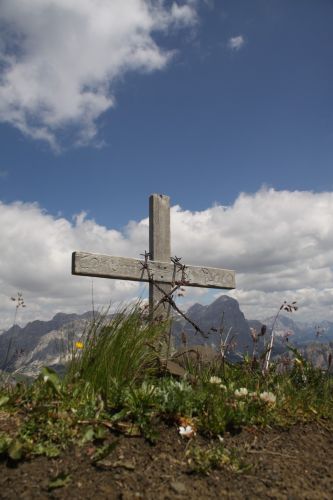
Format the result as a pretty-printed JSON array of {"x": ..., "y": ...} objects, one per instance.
[
  {"x": 300, "y": 333},
  {"x": 25, "y": 350}
]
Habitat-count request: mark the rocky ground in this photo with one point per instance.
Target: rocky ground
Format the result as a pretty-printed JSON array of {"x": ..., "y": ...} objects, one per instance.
[{"x": 295, "y": 463}]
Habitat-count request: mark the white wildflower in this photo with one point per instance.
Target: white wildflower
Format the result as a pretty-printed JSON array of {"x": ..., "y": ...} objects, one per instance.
[
  {"x": 215, "y": 380},
  {"x": 240, "y": 393},
  {"x": 187, "y": 431},
  {"x": 224, "y": 387},
  {"x": 268, "y": 397},
  {"x": 182, "y": 385}
]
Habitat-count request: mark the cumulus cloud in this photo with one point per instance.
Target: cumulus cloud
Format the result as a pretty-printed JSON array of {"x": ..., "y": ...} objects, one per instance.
[
  {"x": 36, "y": 260},
  {"x": 236, "y": 42},
  {"x": 280, "y": 244},
  {"x": 59, "y": 59}
]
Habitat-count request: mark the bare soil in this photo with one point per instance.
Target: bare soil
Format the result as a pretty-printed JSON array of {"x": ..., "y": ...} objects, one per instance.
[{"x": 295, "y": 463}]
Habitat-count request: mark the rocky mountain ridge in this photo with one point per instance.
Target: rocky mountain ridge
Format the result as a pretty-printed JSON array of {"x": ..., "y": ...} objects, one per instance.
[
  {"x": 25, "y": 350},
  {"x": 299, "y": 333}
]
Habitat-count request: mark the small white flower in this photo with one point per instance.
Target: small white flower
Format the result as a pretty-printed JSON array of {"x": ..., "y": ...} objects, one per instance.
[
  {"x": 240, "y": 393},
  {"x": 46, "y": 378},
  {"x": 268, "y": 397},
  {"x": 215, "y": 380},
  {"x": 187, "y": 431},
  {"x": 253, "y": 394},
  {"x": 182, "y": 385},
  {"x": 224, "y": 387}
]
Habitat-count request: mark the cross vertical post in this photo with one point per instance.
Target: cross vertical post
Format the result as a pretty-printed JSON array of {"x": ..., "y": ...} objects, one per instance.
[{"x": 159, "y": 248}]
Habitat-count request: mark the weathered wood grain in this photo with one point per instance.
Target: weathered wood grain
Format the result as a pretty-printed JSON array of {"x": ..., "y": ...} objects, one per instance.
[
  {"x": 122, "y": 268},
  {"x": 159, "y": 248}
]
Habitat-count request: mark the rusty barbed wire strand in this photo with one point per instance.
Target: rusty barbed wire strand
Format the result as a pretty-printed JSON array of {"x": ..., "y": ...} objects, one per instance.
[{"x": 167, "y": 296}]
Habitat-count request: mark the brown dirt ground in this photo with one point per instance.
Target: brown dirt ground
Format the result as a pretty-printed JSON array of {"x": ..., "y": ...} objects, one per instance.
[{"x": 295, "y": 463}]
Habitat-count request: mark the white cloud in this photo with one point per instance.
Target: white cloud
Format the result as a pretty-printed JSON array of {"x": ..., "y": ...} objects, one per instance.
[
  {"x": 236, "y": 42},
  {"x": 183, "y": 14},
  {"x": 36, "y": 260},
  {"x": 279, "y": 242},
  {"x": 59, "y": 59}
]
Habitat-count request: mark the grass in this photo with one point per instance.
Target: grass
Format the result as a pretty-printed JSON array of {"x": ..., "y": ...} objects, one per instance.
[
  {"x": 114, "y": 382},
  {"x": 116, "y": 354}
]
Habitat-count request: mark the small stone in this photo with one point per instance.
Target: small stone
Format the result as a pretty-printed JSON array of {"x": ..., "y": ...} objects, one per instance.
[
  {"x": 129, "y": 495},
  {"x": 178, "y": 487},
  {"x": 104, "y": 464}
]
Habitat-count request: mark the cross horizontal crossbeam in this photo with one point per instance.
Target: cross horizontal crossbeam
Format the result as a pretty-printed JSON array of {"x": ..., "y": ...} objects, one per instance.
[{"x": 122, "y": 268}]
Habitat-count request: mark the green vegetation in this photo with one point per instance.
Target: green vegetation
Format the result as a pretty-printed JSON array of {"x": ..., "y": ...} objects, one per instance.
[
  {"x": 117, "y": 354},
  {"x": 116, "y": 383}
]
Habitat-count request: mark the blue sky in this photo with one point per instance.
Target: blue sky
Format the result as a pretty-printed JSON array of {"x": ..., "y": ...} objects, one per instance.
[{"x": 200, "y": 100}]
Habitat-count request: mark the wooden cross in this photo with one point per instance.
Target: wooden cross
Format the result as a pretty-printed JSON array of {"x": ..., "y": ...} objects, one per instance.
[{"x": 160, "y": 268}]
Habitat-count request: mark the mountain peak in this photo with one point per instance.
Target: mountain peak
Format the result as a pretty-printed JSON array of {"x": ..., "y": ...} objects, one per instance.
[
  {"x": 195, "y": 309},
  {"x": 214, "y": 319}
]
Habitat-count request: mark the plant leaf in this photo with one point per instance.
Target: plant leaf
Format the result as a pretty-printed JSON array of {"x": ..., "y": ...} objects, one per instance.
[
  {"x": 88, "y": 435},
  {"x": 15, "y": 450},
  {"x": 4, "y": 443},
  {"x": 59, "y": 481},
  {"x": 4, "y": 400},
  {"x": 100, "y": 433},
  {"x": 51, "y": 378},
  {"x": 104, "y": 451},
  {"x": 47, "y": 449},
  {"x": 119, "y": 416}
]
